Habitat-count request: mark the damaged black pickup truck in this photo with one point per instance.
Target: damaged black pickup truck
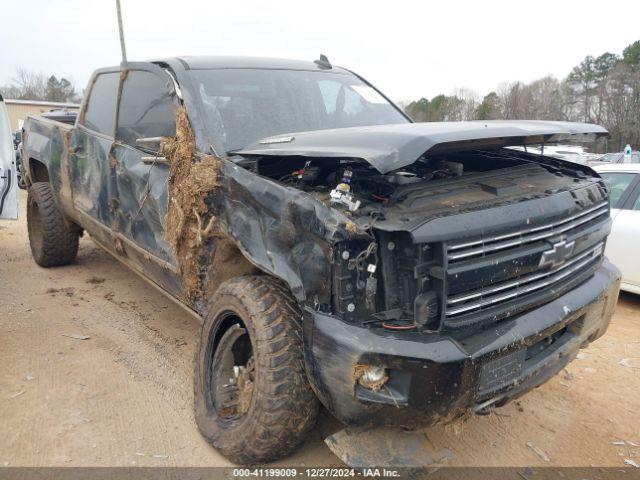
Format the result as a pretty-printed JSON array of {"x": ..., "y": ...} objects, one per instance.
[{"x": 400, "y": 273}]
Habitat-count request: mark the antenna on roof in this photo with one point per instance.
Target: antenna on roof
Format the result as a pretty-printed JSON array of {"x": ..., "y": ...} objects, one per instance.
[
  {"x": 121, "y": 30},
  {"x": 323, "y": 62}
]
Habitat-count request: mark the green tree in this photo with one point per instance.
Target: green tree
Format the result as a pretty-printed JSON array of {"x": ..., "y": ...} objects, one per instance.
[
  {"x": 489, "y": 108},
  {"x": 418, "y": 110},
  {"x": 583, "y": 81},
  {"x": 59, "y": 90},
  {"x": 437, "y": 107},
  {"x": 631, "y": 54},
  {"x": 604, "y": 64}
]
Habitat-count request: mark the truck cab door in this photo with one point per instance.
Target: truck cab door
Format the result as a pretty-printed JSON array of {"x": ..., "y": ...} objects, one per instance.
[
  {"x": 90, "y": 153},
  {"x": 8, "y": 177},
  {"x": 146, "y": 112}
]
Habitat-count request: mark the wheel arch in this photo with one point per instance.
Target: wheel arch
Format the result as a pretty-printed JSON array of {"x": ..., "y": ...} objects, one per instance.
[{"x": 37, "y": 171}]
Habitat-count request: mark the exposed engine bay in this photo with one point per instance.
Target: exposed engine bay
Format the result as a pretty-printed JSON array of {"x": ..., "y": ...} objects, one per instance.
[
  {"x": 352, "y": 184},
  {"x": 381, "y": 275},
  {"x": 358, "y": 189}
]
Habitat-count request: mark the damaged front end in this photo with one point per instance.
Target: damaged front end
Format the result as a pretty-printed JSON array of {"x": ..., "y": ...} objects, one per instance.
[
  {"x": 430, "y": 290},
  {"x": 453, "y": 280}
]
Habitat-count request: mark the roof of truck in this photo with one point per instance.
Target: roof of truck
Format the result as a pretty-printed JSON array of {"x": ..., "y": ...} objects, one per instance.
[
  {"x": 209, "y": 62},
  {"x": 223, "y": 61}
]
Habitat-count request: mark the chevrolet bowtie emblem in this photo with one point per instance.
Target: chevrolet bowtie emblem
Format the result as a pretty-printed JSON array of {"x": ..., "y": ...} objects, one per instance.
[{"x": 558, "y": 254}]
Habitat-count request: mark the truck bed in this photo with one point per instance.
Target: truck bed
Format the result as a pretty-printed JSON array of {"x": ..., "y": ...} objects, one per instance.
[{"x": 46, "y": 143}]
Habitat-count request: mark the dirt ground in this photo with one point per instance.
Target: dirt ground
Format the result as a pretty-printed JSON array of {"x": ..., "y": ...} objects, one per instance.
[{"x": 123, "y": 396}]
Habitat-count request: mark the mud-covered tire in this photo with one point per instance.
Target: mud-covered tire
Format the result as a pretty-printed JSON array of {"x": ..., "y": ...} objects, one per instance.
[
  {"x": 283, "y": 407},
  {"x": 53, "y": 239}
]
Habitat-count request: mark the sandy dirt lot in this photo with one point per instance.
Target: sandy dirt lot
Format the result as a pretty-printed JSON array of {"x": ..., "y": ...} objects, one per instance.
[{"x": 123, "y": 396}]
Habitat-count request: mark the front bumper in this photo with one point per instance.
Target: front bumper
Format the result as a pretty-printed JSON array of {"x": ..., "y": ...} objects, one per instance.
[{"x": 437, "y": 377}]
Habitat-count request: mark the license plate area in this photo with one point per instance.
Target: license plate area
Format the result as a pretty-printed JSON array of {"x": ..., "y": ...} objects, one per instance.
[{"x": 511, "y": 369}]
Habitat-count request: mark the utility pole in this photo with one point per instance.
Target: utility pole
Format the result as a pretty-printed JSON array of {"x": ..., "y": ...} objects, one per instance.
[{"x": 121, "y": 30}]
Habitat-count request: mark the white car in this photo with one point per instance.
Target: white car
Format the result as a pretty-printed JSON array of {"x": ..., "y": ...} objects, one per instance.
[
  {"x": 8, "y": 177},
  {"x": 623, "y": 245},
  {"x": 571, "y": 153}
]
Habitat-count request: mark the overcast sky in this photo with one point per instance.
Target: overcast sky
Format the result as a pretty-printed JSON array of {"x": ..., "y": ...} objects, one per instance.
[{"x": 408, "y": 49}]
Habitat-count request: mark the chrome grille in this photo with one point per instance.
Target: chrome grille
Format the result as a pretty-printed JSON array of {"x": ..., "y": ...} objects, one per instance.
[
  {"x": 490, "y": 295},
  {"x": 457, "y": 252}
]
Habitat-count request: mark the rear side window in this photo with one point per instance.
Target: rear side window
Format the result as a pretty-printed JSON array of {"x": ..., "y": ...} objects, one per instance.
[
  {"x": 147, "y": 108},
  {"x": 100, "y": 114}
]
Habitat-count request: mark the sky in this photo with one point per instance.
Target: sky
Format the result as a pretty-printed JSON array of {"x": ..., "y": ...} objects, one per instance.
[{"x": 408, "y": 49}]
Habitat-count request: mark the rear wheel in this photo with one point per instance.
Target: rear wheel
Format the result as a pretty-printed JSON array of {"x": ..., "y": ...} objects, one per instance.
[
  {"x": 252, "y": 399},
  {"x": 53, "y": 239}
]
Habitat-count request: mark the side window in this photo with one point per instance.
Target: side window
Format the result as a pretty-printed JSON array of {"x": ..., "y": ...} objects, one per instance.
[
  {"x": 147, "y": 108},
  {"x": 100, "y": 114},
  {"x": 350, "y": 104},
  {"x": 636, "y": 204},
  {"x": 353, "y": 103},
  {"x": 329, "y": 90},
  {"x": 617, "y": 183}
]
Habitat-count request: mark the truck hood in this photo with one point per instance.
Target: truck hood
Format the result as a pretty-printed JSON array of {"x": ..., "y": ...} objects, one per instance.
[{"x": 389, "y": 147}]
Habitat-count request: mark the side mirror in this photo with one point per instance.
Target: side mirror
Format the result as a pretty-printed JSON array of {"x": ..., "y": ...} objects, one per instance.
[{"x": 149, "y": 142}]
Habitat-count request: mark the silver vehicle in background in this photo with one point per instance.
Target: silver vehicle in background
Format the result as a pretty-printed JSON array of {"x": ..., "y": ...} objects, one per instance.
[
  {"x": 8, "y": 178},
  {"x": 616, "y": 157},
  {"x": 570, "y": 153}
]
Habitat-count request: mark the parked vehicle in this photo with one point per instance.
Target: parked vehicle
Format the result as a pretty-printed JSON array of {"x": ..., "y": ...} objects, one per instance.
[
  {"x": 62, "y": 115},
  {"x": 17, "y": 139},
  {"x": 570, "y": 153},
  {"x": 22, "y": 182},
  {"x": 400, "y": 273},
  {"x": 8, "y": 180},
  {"x": 623, "y": 181},
  {"x": 613, "y": 158}
]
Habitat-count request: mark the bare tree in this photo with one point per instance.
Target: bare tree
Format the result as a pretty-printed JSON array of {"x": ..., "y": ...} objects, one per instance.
[
  {"x": 27, "y": 85},
  {"x": 31, "y": 85}
]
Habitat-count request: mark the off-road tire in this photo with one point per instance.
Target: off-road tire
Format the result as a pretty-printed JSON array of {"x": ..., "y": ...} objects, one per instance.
[
  {"x": 283, "y": 407},
  {"x": 53, "y": 239}
]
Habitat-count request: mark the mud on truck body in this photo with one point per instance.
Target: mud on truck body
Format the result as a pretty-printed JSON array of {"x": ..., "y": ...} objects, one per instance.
[{"x": 400, "y": 273}]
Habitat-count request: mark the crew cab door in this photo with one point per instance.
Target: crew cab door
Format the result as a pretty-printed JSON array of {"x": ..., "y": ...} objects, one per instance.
[
  {"x": 90, "y": 159},
  {"x": 8, "y": 177},
  {"x": 146, "y": 112}
]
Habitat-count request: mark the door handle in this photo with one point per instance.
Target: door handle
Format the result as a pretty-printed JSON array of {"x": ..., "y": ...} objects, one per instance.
[{"x": 152, "y": 160}]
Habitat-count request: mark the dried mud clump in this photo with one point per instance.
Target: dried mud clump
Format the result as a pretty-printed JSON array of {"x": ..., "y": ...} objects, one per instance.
[
  {"x": 351, "y": 227},
  {"x": 189, "y": 223}
]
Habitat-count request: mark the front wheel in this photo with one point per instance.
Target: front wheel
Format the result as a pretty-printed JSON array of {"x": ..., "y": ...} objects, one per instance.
[{"x": 252, "y": 399}]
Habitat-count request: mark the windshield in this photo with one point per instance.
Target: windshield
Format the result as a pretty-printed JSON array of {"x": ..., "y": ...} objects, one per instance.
[{"x": 246, "y": 105}]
